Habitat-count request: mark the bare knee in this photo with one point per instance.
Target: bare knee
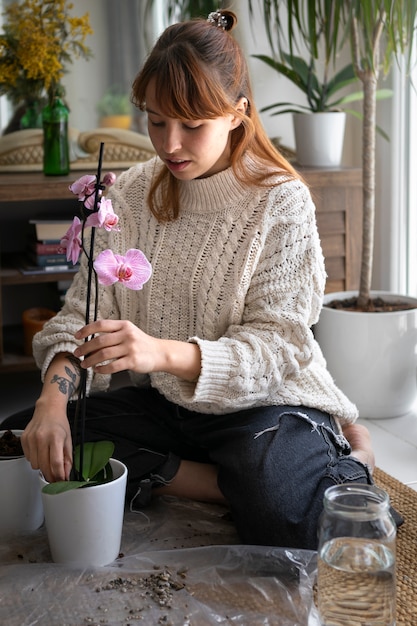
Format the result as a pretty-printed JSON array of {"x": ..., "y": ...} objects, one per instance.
[{"x": 195, "y": 481}]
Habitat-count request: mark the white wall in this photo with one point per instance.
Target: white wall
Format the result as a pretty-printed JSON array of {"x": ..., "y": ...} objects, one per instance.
[{"x": 86, "y": 80}]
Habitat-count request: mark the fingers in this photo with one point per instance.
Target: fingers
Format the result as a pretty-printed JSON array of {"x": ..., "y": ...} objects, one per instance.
[
  {"x": 50, "y": 453},
  {"x": 113, "y": 341}
]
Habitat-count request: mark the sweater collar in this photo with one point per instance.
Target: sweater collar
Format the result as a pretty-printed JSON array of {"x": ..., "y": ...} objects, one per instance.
[{"x": 211, "y": 194}]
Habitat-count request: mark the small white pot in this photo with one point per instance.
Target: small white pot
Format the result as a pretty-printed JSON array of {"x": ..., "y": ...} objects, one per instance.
[
  {"x": 372, "y": 356},
  {"x": 319, "y": 138},
  {"x": 20, "y": 495},
  {"x": 84, "y": 526}
]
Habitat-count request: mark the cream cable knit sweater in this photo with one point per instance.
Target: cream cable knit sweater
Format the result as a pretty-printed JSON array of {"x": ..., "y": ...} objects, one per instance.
[{"x": 240, "y": 273}]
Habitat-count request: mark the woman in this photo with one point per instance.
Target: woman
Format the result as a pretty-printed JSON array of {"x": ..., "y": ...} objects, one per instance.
[{"x": 230, "y": 398}]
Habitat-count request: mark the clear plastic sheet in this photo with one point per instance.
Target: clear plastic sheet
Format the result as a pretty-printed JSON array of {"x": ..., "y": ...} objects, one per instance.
[{"x": 180, "y": 565}]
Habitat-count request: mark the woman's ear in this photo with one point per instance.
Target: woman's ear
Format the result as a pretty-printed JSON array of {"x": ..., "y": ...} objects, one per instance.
[{"x": 241, "y": 106}]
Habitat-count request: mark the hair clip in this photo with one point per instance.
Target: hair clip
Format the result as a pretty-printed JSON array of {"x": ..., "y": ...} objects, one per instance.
[{"x": 217, "y": 18}]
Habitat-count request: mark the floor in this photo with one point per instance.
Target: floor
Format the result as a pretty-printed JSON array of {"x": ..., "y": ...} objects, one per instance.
[{"x": 394, "y": 440}]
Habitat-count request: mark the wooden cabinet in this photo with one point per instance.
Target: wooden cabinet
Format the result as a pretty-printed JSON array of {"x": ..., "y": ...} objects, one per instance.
[
  {"x": 338, "y": 197},
  {"x": 337, "y": 194}
]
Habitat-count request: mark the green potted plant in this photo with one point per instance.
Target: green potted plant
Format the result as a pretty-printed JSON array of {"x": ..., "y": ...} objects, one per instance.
[
  {"x": 84, "y": 516},
  {"x": 372, "y": 355},
  {"x": 315, "y": 29},
  {"x": 114, "y": 108},
  {"x": 318, "y": 30}
]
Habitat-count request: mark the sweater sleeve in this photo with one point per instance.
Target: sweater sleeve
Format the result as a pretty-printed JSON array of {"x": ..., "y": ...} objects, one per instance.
[{"x": 257, "y": 359}]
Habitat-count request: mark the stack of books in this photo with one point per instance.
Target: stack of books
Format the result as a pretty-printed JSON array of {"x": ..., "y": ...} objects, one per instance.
[{"x": 45, "y": 252}]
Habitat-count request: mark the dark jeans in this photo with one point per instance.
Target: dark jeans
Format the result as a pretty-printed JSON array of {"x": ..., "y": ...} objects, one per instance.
[{"x": 274, "y": 462}]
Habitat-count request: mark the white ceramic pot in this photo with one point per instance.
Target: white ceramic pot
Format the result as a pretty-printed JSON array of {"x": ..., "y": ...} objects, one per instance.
[
  {"x": 20, "y": 495},
  {"x": 319, "y": 138},
  {"x": 84, "y": 526},
  {"x": 372, "y": 356}
]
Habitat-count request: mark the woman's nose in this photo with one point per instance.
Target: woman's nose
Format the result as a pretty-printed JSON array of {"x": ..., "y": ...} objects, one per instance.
[{"x": 172, "y": 140}]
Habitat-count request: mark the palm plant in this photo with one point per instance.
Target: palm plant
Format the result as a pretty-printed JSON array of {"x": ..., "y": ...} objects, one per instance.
[
  {"x": 313, "y": 29},
  {"x": 380, "y": 32}
]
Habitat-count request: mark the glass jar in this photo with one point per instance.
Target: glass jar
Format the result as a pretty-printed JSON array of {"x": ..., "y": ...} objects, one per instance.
[
  {"x": 55, "y": 138},
  {"x": 356, "y": 557}
]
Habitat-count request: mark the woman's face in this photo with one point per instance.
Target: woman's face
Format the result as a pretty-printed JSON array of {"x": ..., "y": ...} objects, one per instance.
[{"x": 193, "y": 149}]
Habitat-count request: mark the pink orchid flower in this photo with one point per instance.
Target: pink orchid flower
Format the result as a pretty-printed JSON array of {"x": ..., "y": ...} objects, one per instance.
[
  {"x": 105, "y": 216},
  {"x": 83, "y": 187},
  {"x": 71, "y": 241},
  {"x": 133, "y": 269}
]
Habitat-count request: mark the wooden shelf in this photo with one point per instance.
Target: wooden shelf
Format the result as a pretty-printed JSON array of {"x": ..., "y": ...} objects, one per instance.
[{"x": 10, "y": 274}]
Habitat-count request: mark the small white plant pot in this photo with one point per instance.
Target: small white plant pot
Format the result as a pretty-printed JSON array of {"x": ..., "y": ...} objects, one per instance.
[
  {"x": 84, "y": 526},
  {"x": 319, "y": 138},
  {"x": 20, "y": 495}
]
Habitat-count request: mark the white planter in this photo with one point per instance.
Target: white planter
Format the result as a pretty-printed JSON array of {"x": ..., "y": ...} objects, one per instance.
[
  {"x": 372, "y": 356},
  {"x": 84, "y": 526},
  {"x": 319, "y": 138},
  {"x": 20, "y": 495}
]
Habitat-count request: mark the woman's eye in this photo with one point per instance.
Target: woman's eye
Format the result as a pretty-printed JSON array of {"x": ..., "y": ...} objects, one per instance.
[
  {"x": 192, "y": 127},
  {"x": 156, "y": 123}
]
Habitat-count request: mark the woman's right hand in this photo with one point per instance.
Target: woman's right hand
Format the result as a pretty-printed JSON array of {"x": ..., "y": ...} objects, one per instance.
[{"x": 47, "y": 441}]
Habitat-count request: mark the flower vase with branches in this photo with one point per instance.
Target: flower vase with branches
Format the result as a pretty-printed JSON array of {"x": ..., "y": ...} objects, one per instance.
[
  {"x": 39, "y": 39},
  {"x": 91, "y": 459}
]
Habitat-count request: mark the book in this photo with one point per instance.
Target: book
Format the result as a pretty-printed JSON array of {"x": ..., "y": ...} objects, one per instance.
[
  {"x": 48, "y": 229},
  {"x": 27, "y": 269},
  {"x": 39, "y": 247},
  {"x": 49, "y": 259}
]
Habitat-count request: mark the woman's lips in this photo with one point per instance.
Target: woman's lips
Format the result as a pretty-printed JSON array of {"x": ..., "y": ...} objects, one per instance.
[{"x": 176, "y": 166}]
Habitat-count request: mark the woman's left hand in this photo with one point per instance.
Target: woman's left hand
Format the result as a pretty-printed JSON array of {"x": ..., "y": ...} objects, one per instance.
[{"x": 119, "y": 345}]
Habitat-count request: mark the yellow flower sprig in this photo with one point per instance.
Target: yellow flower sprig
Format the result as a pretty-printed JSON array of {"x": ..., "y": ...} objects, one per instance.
[{"x": 40, "y": 38}]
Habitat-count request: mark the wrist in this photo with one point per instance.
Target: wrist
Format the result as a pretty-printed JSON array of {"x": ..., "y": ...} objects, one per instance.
[{"x": 182, "y": 359}]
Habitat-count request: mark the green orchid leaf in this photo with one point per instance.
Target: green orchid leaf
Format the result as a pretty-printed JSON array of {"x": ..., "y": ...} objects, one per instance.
[
  {"x": 96, "y": 457},
  {"x": 105, "y": 475},
  {"x": 97, "y": 468},
  {"x": 63, "y": 486}
]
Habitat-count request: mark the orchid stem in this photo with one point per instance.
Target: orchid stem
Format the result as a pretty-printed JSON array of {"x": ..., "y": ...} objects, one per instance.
[{"x": 81, "y": 407}]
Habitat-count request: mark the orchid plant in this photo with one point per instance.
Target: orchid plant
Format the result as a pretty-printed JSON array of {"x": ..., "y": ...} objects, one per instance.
[{"x": 91, "y": 460}]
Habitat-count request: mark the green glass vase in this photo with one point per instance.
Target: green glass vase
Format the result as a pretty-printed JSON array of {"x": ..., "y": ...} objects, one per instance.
[
  {"x": 55, "y": 138},
  {"x": 32, "y": 117}
]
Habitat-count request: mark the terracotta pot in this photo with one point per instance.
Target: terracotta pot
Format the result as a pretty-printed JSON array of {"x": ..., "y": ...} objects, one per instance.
[
  {"x": 116, "y": 121},
  {"x": 33, "y": 321}
]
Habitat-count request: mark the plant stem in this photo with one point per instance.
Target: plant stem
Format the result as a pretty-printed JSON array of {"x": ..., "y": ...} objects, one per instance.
[{"x": 82, "y": 394}]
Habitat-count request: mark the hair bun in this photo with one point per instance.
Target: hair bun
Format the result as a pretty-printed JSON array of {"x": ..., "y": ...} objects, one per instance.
[{"x": 226, "y": 20}]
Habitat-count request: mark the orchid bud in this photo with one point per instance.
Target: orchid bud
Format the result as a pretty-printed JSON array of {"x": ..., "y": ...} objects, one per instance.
[{"x": 109, "y": 179}]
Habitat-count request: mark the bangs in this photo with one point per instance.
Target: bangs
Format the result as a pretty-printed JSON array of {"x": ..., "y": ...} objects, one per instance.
[{"x": 187, "y": 93}]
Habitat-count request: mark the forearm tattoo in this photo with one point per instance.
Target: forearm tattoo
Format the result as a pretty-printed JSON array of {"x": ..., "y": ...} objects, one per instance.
[{"x": 68, "y": 385}]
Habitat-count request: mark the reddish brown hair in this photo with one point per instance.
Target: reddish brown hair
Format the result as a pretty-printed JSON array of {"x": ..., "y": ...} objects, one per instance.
[{"x": 200, "y": 72}]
